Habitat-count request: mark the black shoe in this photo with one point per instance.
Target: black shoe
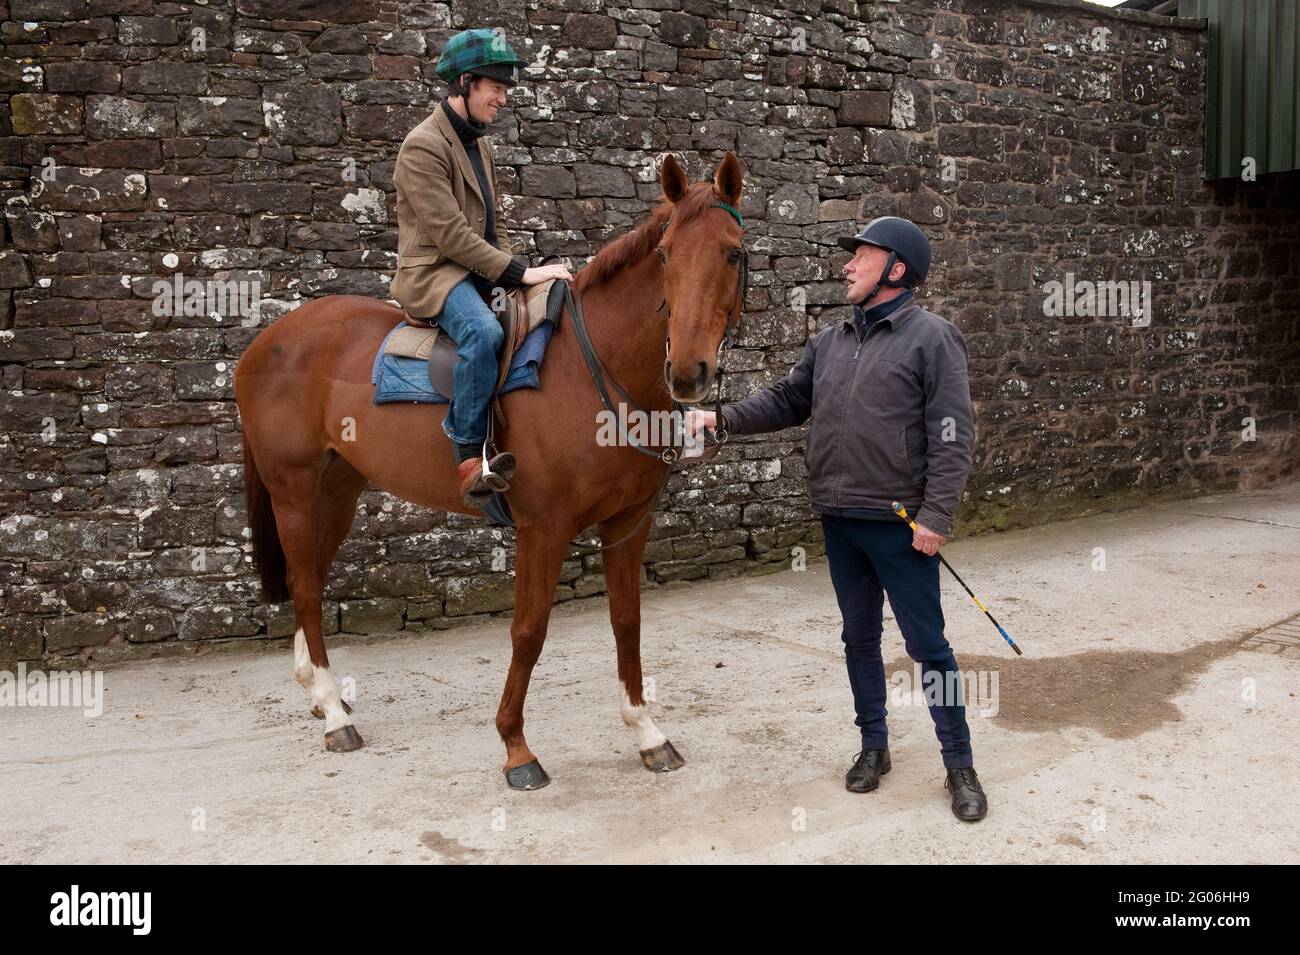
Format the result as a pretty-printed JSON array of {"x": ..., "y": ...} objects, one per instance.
[
  {"x": 969, "y": 804},
  {"x": 868, "y": 766}
]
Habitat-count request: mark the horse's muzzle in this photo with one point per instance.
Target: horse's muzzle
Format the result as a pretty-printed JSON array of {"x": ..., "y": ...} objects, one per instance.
[{"x": 688, "y": 387}]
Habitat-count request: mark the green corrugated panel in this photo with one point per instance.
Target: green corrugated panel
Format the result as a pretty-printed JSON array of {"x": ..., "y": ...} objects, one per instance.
[
  {"x": 1252, "y": 84},
  {"x": 1284, "y": 145},
  {"x": 1232, "y": 85}
]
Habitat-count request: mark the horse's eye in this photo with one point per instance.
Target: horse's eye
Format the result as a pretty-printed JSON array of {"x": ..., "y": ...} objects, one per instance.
[
  {"x": 663, "y": 256},
  {"x": 734, "y": 256}
]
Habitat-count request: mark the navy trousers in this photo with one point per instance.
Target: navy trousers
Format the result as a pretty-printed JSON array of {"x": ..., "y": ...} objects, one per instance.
[{"x": 869, "y": 559}]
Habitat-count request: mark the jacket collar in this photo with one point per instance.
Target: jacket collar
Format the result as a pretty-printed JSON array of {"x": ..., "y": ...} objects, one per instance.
[
  {"x": 905, "y": 306},
  {"x": 444, "y": 126}
]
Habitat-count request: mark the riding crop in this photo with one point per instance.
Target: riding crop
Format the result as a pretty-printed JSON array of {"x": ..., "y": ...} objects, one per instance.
[{"x": 902, "y": 512}]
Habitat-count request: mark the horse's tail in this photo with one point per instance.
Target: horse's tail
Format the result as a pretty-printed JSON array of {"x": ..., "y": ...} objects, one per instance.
[{"x": 268, "y": 554}]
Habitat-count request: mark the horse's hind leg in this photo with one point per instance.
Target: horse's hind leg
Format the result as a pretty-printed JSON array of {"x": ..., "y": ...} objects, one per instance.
[
  {"x": 622, "y": 564},
  {"x": 336, "y": 508},
  {"x": 314, "y": 509}
]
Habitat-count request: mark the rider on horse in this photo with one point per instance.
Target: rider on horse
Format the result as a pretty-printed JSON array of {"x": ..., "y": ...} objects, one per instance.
[{"x": 455, "y": 259}]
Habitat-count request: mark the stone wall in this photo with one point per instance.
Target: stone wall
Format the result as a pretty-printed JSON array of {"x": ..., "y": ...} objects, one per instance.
[{"x": 255, "y": 139}]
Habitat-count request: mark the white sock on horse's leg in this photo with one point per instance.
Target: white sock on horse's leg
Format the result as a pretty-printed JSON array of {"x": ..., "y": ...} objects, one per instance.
[
  {"x": 638, "y": 718},
  {"x": 326, "y": 696},
  {"x": 319, "y": 682},
  {"x": 302, "y": 671}
]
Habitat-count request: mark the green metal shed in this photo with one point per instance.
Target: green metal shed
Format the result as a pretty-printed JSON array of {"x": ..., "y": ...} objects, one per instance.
[{"x": 1252, "y": 85}]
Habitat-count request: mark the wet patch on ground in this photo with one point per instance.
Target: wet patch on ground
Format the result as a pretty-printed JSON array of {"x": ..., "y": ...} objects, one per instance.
[
  {"x": 1119, "y": 693},
  {"x": 451, "y": 850}
]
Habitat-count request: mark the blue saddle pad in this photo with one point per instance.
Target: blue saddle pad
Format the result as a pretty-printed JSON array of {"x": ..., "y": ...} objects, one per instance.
[{"x": 398, "y": 378}]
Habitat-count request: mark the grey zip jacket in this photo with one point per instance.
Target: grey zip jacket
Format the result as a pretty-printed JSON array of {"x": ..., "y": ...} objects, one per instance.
[{"x": 891, "y": 414}]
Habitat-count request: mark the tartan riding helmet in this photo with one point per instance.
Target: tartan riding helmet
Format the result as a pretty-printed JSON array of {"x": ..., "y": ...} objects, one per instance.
[{"x": 479, "y": 52}]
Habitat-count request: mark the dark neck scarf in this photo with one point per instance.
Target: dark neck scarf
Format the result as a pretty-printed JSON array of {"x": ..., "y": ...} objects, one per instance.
[{"x": 467, "y": 129}]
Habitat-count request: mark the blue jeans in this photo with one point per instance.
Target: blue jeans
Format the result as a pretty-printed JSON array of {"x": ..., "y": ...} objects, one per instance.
[
  {"x": 478, "y": 336},
  {"x": 868, "y": 559}
]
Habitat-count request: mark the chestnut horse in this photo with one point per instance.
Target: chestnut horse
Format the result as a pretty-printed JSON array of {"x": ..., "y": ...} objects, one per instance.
[{"x": 313, "y": 439}]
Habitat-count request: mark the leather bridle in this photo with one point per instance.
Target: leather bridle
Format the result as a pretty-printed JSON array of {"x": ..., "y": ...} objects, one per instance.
[{"x": 599, "y": 374}]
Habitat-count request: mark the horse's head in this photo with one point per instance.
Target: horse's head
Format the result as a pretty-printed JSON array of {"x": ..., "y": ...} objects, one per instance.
[{"x": 704, "y": 271}]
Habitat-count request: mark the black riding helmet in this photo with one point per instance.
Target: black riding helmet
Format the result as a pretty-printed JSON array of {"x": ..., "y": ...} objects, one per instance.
[{"x": 903, "y": 240}]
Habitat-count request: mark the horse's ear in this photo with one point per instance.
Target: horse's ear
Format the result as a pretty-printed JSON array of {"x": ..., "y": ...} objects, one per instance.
[
  {"x": 673, "y": 178},
  {"x": 729, "y": 179}
]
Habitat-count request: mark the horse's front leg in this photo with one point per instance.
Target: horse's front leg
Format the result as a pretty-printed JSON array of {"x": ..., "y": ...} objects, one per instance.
[
  {"x": 539, "y": 559},
  {"x": 622, "y": 563}
]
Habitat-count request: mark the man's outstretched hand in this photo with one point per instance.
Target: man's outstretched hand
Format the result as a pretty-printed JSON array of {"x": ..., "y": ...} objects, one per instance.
[
  {"x": 697, "y": 421},
  {"x": 694, "y": 422}
]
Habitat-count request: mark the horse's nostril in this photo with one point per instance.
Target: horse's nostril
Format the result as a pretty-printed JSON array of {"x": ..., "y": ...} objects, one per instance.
[{"x": 703, "y": 375}]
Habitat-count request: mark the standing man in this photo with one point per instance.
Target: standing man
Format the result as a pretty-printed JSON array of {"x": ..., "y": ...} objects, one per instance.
[
  {"x": 889, "y": 398},
  {"x": 453, "y": 253}
]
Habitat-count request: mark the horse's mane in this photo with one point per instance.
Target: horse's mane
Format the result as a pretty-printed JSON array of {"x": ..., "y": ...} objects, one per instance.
[{"x": 635, "y": 245}]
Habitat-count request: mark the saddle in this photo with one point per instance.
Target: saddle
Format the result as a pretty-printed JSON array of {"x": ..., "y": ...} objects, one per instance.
[{"x": 526, "y": 308}]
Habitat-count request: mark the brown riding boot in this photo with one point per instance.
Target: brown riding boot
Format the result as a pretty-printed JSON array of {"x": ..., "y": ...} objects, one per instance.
[{"x": 476, "y": 488}]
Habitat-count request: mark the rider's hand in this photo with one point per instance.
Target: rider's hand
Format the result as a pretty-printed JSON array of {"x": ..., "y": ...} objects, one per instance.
[
  {"x": 696, "y": 421},
  {"x": 542, "y": 273}
]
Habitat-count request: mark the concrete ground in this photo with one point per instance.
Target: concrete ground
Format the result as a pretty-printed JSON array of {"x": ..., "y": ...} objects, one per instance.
[{"x": 1152, "y": 719}]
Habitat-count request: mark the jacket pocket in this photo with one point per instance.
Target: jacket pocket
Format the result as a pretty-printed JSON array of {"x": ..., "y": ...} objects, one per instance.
[
  {"x": 870, "y": 469},
  {"x": 420, "y": 257},
  {"x": 424, "y": 244},
  {"x": 914, "y": 456},
  {"x": 903, "y": 460},
  {"x": 890, "y": 469}
]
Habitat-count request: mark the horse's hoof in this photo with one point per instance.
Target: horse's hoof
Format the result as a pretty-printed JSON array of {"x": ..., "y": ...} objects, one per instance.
[
  {"x": 663, "y": 758},
  {"x": 528, "y": 776},
  {"x": 343, "y": 740},
  {"x": 317, "y": 712}
]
